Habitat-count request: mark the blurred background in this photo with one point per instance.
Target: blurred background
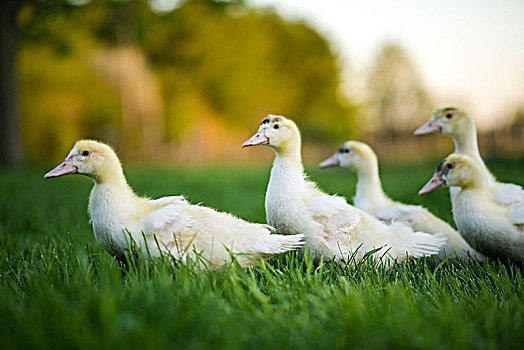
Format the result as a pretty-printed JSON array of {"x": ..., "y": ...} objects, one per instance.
[{"x": 187, "y": 82}]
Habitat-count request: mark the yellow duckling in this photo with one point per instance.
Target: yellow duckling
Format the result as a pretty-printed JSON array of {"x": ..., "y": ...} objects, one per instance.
[
  {"x": 493, "y": 229},
  {"x": 167, "y": 225}
]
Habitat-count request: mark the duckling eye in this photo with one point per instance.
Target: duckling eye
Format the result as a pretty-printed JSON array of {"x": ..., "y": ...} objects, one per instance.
[
  {"x": 449, "y": 115},
  {"x": 449, "y": 166},
  {"x": 276, "y": 126},
  {"x": 85, "y": 153}
]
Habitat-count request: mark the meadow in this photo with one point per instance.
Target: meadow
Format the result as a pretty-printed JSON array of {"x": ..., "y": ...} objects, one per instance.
[{"x": 59, "y": 289}]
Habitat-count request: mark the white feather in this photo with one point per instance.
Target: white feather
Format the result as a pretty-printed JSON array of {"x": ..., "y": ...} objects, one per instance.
[{"x": 505, "y": 194}]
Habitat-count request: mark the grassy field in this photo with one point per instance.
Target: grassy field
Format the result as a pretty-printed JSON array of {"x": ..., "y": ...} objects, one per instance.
[{"x": 60, "y": 290}]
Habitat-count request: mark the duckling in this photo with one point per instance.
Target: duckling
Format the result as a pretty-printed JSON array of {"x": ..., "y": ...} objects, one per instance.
[
  {"x": 167, "y": 225},
  {"x": 333, "y": 228},
  {"x": 370, "y": 197},
  {"x": 458, "y": 125},
  {"x": 493, "y": 229}
]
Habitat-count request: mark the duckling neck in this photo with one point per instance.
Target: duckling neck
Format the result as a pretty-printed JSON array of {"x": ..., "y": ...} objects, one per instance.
[
  {"x": 115, "y": 184},
  {"x": 469, "y": 199},
  {"x": 112, "y": 174},
  {"x": 290, "y": 156},
  {"x": 111, "y": 191},
  {"x": 369, "y": 191},
  {"x": 466, "y": 143},
  {"x": 287, "y": 175},
  {"x": 477, "y": 185}
]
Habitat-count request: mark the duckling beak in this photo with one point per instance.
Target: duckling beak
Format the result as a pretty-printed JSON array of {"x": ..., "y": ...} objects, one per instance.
[
  {"x": 331, "y": 161},
  {"x": 433, "y": 184},
  {"x": 430, "y": 127},
  {"x": 258, "y": 139},
  {"x": 66, "y": 167}
]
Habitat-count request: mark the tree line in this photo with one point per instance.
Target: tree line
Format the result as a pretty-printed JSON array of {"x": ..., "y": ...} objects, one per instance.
[{"x": 155, "y": 83}]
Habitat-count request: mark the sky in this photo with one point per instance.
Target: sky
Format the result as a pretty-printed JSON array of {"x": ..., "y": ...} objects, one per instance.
[{"x": 470, "y": 54}]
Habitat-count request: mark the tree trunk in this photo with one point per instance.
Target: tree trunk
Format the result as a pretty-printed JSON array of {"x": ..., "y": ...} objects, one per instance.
[{"x": 11, "y": 152}]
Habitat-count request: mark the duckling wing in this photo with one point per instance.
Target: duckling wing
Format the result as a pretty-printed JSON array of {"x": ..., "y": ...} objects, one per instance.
[
  {"x": 168, "y": 219},
  {"x": 506, "y": 194},
  {"x": 405, "y": 213},
  {"x": 516, "y": 216},
  {"x": 160, "y": 202},
  {"x": 347, "y": 226},
  {"x": 335, "y": 214}
]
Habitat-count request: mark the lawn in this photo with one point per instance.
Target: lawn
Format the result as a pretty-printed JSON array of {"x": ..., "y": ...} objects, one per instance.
[{"x": 60, "y": 290}]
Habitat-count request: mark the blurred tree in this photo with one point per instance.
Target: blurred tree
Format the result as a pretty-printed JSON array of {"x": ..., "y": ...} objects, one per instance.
[
  {"x": 397, "y": 97},
  {"x": 11, "y": 150},
  {"x": 62, "y": 96},
  {"x": 198, "y": 77},
  {"x": 245, "y": 63}
]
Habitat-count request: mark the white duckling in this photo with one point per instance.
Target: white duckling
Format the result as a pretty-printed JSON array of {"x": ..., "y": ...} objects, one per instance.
[
  {"x": 458, "y": 125},
  {"x": 165, "y": 225},
  {"x": 370, "y": 197},
  {"x": 334, "y": 229},
  {"x": 491, "y": 228}
]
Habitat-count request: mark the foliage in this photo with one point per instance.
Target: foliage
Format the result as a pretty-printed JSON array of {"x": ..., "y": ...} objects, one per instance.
[
  {"x": 205, "y": 64},
  {"x": 60, "y": 290}
]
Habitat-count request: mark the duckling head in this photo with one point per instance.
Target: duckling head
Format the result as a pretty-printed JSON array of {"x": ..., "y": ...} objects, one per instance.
[
  {"x": 277, "y": 132},
  {"x": 456, "y": 170},
  {"x": 91, "y": 158},
  {"x": 353, "y": 155},
  {"x": 448, "y": 121}
]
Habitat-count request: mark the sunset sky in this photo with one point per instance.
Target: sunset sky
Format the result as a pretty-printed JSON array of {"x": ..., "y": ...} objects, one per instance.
[{"x": 469, "y": 53}]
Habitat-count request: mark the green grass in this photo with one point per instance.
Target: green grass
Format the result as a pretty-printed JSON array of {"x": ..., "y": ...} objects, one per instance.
[{"x": 58, "y": 289}]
